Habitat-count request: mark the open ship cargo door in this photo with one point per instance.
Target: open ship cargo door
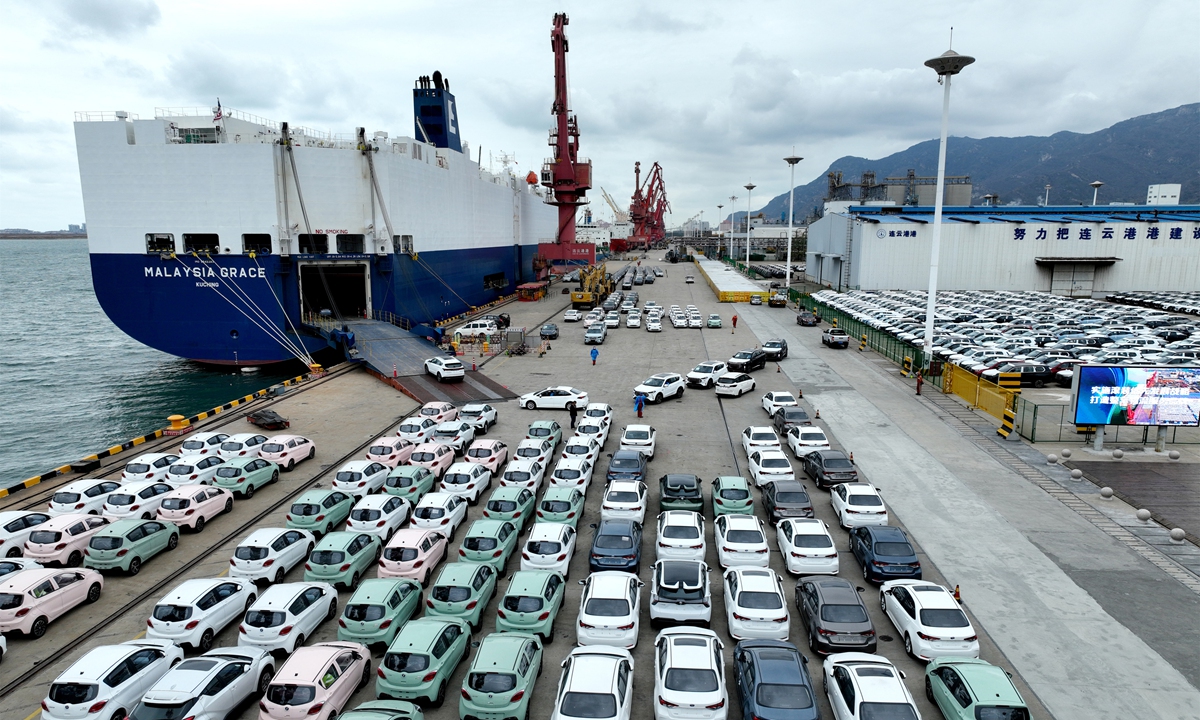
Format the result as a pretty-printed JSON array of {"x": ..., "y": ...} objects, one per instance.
[{"x": 342, "y": 288}]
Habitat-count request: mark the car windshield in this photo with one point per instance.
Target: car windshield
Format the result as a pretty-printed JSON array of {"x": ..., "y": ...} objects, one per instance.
[
  {"x": 681, "y": 532},
  {"x": 622, "y": 496},
  {"x": 622, "y": 463},
  {"x": 399, "y": 481},
  {"x": 784, "y": 697},
  {"x": 704, "y": 369},
  {"x": 764, "y": 437},
  {"x": 529, "y": 451},
  {"x": 327, "y": 557},
  {"x": 264, "y": 618},
  {"x": 408, "y": 428},
  {"x": 176, "y": 503},
  {"x": 105, "y": 542},
  {"x": 844, "y": 614},
  {"x": 797, "y": 497},
  {"x": 1000, "y": 713},
  {"x": 837, "y": 464},
  {"x": 42, "y": 537},
  {"x": 775, "y": 462},
  {"x": 491, "y": 682},
  {"x": 813, "y": 437},
  {"x": 457, "y": 478},
  {"x": 637, "y": 434},
  {"x": 146, "y": 710},
  {"x": 754, "y": 600},
  {"x": 305, "y": 509},
  {"x": 396, "y": 554},
  {"x": 291, "y": 694},
  {"x": 690, "y": 680},
  {"x": 744, "y": 536},
  {"x": 228, "y": 472},
  {"x": 654, "y": 382},
  {"x": 480, "y": 543},
  {"x": 72, "y": 693},
  {"x": 422, "y": 456},
  {"x": 429, "y": 513},
  {"x": 555, "y": 506},
  {"x": 195, "y": 445},
  {"x": 517, "y": 476},
  {"x": 364, "y": 515},
  {"x": 811, "y": 541},
  {"x": 272, "y": 447},
  {"x": 522, "y": 603},
  {"x": 251, "y": 552},
  {"x": 607, "y": 607},
  {"x": 734, "y": 494},
  {"x": 567, "y": 474},
  {"x": 886, "y": 711},
  {"x": 588, "y": 705},
  {"x": 894, "y": 549},
  {"x": 375, "y": 450},
  {"x": 866, "y": 500},
  {"x": 450, "y": 593},
  {"x": 944, "y": 618},
  {"x": 364, "y": 613},
  {"x": 137, "y": 468},
  {"x": 65, "y": 498},
  {"x": 8, "y": 601},
  {"x": 502, "y": 506},
  {"x": 479, "y": 452},
  {"x": 172, "y": 613},
  {"x": 120, "y": 499},
  {"x": 543, "y": 547},
  {"x": 181, "y": 469}
]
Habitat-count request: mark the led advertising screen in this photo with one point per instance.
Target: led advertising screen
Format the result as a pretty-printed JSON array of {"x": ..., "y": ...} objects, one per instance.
[{"x": 1116, "y": 395}]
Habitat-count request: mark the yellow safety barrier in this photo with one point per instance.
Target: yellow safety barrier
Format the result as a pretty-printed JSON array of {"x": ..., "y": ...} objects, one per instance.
[
  {"x": 1007, "y": 423},
  {"x": 863, "y": 345},
  {"x": 907, "y": 366},
  {"x": 986, "y": 396},
  {"x": 1010, "y": 380}
]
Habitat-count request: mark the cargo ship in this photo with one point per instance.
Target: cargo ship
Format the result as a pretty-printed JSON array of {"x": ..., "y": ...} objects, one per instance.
[{"x": 223, "y": 237}]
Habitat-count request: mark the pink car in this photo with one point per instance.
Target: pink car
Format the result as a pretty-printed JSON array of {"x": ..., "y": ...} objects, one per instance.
[
  {"x": 439, "y": 412},
  {"x": 287, "y": 450},
  {"x": 316, "y": 682},
  {"x": 435, "y": 456},
  {"x": 390, "y": 450},
  {"x": 413, "y": 553},
  {"x": 192, "y": 506},
  {"x": 31, "y": 599},
  {"x": 61, "y": 540},
  {"x": 492, "y": 454}
]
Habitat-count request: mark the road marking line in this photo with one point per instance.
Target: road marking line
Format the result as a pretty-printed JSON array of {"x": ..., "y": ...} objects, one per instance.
[
  {"x": 140, "y": 635},
  {"x": 33, "y": 714}
]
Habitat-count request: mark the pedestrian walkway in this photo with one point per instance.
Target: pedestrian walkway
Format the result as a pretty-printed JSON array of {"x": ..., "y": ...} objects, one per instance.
[{"x": 1096, "y": 629}]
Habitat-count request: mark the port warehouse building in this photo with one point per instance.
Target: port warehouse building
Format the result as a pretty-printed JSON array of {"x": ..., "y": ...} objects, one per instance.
[{"x": 1079, "y": 251}]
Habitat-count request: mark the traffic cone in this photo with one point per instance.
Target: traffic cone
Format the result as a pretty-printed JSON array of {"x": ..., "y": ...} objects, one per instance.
[
  {"x": 799, "y": 392},
  {"x": 777, "y": 367},
  {"x": 957, "y": 595},
  {"x": 852, "y": 458},
  {"x": 818, "y": 414}
]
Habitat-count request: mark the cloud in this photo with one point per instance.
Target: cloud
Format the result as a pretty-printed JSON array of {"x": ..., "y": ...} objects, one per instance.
[{"x": 104, "y": 18}]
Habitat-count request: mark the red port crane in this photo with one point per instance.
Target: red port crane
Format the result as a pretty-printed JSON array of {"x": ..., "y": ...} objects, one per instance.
[
  {"x": 567, "y": 176},
  {"x": 647, "y": 207}
]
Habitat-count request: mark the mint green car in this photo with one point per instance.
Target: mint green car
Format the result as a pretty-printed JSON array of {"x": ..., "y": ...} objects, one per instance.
[
  {"x": 378, "y": 609},
  {"x": 968, "y": 688},
  {"x": 384, "y": 710},
  {"x": 126, "y": 544},
  {"x": 546, "y": 430},
  {"x": 491, "y": 542},
  {"x": 501, "y": 679},
  {"x": 320, "y": 511},
  {"x": 731, "y": 496},
  {"x": 561, "y": 505},
  {"x": 421, "y": 660},
  {"x": 245, "y": 475},
  {"x": 342, "y": 558},
  {"x": 462, "y": 590},
  {"x": 409, "y": 482},
  {"x": 510, "y": 503},
  {"x": 531, "y": 603}
]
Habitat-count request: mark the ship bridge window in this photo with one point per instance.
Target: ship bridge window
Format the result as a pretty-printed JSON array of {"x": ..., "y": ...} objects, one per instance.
[
  {"x": 402, "y": 244},
  {"x": 312, "y": 244},
  {"x": 495, "y": 281},
  {"x": 201, "y": 242},
  {"x": 350, "y": 244},
  {"x": 160, "y": 243},
  {"x": 257, "y": 243},
  {"x": 201, "y": 135}
]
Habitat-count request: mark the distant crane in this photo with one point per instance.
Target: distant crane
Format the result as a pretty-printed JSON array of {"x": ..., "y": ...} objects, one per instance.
[
  {"x": 647, "y": 207},
  {"x": 619, "y": 215}
]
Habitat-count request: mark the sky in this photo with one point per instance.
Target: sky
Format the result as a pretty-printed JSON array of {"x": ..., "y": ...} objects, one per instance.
[{"x": 716, "y": 92}]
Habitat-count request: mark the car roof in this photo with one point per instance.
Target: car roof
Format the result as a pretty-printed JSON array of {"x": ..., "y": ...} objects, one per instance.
[
  {"x": 182, "y": 682},
  {"x": 284, "y": 438},
  {"x": 533, "y": 442},
  {"x": 120, "y": 527},
  {"x": 22, "y": 580},
  {"x": 486, "y": 443},
  {"x": 337, "y": 540},
  {"x": 806, "y": 526},
  {"x": 559, "y": 492},
  {"x": 625, "y": 485},
  {"x": 875, "y": 688},
  {"x": 547, "y": 531},
  {"x": 681, "y": 517},
  {"x": 737, "y": 521},
  {"x": 788, "y": 485},
  {"x": 929, "y": 595},
  {"x": 435, "y": 499},
  {"x": 357, "y": 465},
  {"x": 189, "y": 591},
  {"x": 628, "y": 454},
  {"x": 860, "y": 488},
  {"x": 58, "y": 522},
  {"x": 571, "y": 463},
  {"x": 151, "y": 457},
  {"x": 263, "y": 536},
  {"x": 695, "y": 650},
  {"x": 778, "y": 662},
  {"x": 457, "y": 572},
  {"x": 610, "y": 584},
  {"x": 543, "y": 423},
  {"x": 525, "y": 582},
  {"x": 500, "y": 651},
  {"x": 463, "y": 466},
  {"x": 451, "y": 425},
  {"x": 733, "y": 480},
  {"x": 279, "y": 596},
  {"x": 375, "y": 501},
  {"x": 240, "y": 462},
  {"x": 886, "y": 533},
  {"x": 242, "y": 437},
  {"x": 616, "y": 526},
  {"x": 80, "y": 485},
  {"x": 95, "y": 663},
  {"x": 507, "y": 492},
  {"x": 486, "y": 527},
  {"x": 315, "y": 495},
  {"x": 985, "y": 680},
  {"x": 307, "y": 663},
  {"x": 594, "y": 670},
  {"x": 376, "y": 589},
  {"x": 756, "y": 579},
  {"x": 521, "y": 463},
  {"x": 834, "y": 589}
]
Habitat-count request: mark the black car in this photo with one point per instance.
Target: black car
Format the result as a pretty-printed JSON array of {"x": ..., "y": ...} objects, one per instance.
[
  {"x": 626, "y": 465},
  {"x": 747, "y": 360},
  {"x": 549, "y": 331},
  {"x": 1031, "y": 374},
  {"x": 786, "y": 417},
  {"x": 829, "y": 467},
  {"x": 806, "y": 319},
  {"x": 775, "y": 348},
  {"x": 786, "y": 499},
  {"x": 773, "y": 682},
  {"x": 830, "y": 607},
  {"x": 617, "y": 545},
  {"x": 884, "y": 553}
]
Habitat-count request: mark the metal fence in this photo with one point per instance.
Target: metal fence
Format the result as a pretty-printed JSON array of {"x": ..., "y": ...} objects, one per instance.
[
  {"x": 977, "y": 392},
  {"x": 886, "y": 345},
  {"x": 1047, "y": 422}
]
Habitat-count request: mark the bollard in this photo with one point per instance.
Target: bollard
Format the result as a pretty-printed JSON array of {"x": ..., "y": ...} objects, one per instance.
[
  {"x": 1106, "y": 493},
  {"x": 178, "y": 422}
]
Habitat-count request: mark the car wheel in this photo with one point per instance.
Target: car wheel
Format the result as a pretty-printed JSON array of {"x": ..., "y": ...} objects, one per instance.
[
  {"x": 366, "y": 677},
  {"x": 425, "y": 578},
  {"x": 13, "y": 552},
  {"x": 147, "y": 516},
  {"x": 1039, "y": 383},
  {"x": 332, "y": 610},
  {"x": 928, "y": 690},
  {"x": 206, "y": 642},
  {"x": 93, "y": 593},
  {"x": 38, "y": 628},
  {"x": 908, "y": 645},
  {"x": 75, "y": 559},
  {"x": 279, "y": 575},
  {"x": 120, "y": 713},
  {"x": 264, "y": 680},
  {"x": 530, "y": 405},
  {"x": 299, "y": 642},
  {"x": 248, "y": 492},
  {"x": 290, "y": 466},
  {"x": 135, "y": 566},
  {"x": 312, "y": 452},
  {"x": 274, "y": 476},
  {"x": 200, "y": 523},
  {"x": 229, "y": 505},
  {"x": 328, "y": 529},
  {"x": 173, "y": 541},
  {"x": 441, "y": 696},
  {"x": 249, "y": 602}
]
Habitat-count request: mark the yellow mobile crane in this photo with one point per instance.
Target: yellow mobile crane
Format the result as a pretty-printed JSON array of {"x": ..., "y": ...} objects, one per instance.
[{"x": 594, "y": 284}]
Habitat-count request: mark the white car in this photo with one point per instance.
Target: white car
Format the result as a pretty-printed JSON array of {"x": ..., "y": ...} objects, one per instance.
[
  {"x": 581, "y": 446},
  {"x": 599, "y": 412},
  {"x": 455, "y": 433},
  {"x": 741, "y": 540},
  {"x": 593, "y": 428},
  {"x": 467, "y": 480},
  {"x": 857, "y": 504},
  {"x": 680, "y": 592},
  {"x": 16, "y": 525},
  {"x": 768, "y": 466},
  {"x": 196, "y": 610},
  {"x": 612, "y": 319},
  {"x": 210, "y": 687},
  {"x": 360, "y": 477},
  {"x": 82, "y": 496},
  {"x": 596, "y": 682},
  {"x": 653, "y": 324},
  {"x": 549, "y": 547},
  {"x": 641, "y": 438},
  {"x": 807, "y": 547},
  {"x": 417, "y": 429},
  {"x": 439, "y": 511},
  {"x": 242, "y": 445},
  {"x": 135, "y": 499},
  {"x": 689, "y": 675},
  {"x": 680, "y": 535},
  {"x": 772, "y": 401},
  {"x": 438, "y": 411},
  {"x": 854, "y": 680},
  {"x": 803, "y": 440},
  {"x": 609, "y": 610},
  {"x": 151, "y": 466},
  {"x": 695, "y": 321},
  {"x": 624, "y": 500},
  {"x": 523, "y": 474},
  {"x": 554, "y": 398},
  {"x": 660, "y": 386},
  {"x": 540, "y": 450},
  {"x": 735, "y": 384},
  {"x": 572, "y": 472},
  {"x": 391, "y": 450},
  {"x": 679, "y": 320},
  {"x": 759, "y": 438},
  {"x": 596, "y": 334},
  {"x": 705, "y": 374},
  {"x": 192, "y": 470},
  {"x": 286, "y": 615},
  {"x": 755, "y": 604},
  {"x": 634, "y": 320},
  {"x": 380, "y": 515},
  {"x": 112, "y": 678},
  {"x": 204, "y": 443},
  {"x": 928, "y": 619},
  {"x": 481, "y": 416},
  {"x": 572, "y": 316},
  {"x": 595, "y": 315},
  {"x": 269, "y": 553},
  {"x": 445, "y": 368}
]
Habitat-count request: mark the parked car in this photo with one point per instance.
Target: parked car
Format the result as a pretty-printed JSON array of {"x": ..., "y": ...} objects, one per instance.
[
  {"x": 803, "y": 439},
  {"x": 438, "y": 411},
  {"x": 856, "y": 504},
  {"x": 286, "y": 614},
  {"x": 745, "y": 361},
  {"x": 241, "y": 445},
  {"x": 807, "y": 547},
  {"x": 741, "y": 540},
  {"x": 192, "y": 507},
  {"x": 152, "y": 466},
  {"x": 770, "y": 465},
  {"x": 421, "y": 660},
  {"x": 884, "y": 553},
  {"x": 555, "y": 398},
  {"x": 319, "y": 511},
  {"x": 194, "y": 611},
  {"x": 834, "y": 616},
  {"x": 531, "y": 603},
  {"x": 17, "y": 525},
  {"x": 689, "y": 674},
  {"x": 785, "y": 418},
  {"x": 969, "y": 688},
  {"x": 489, "y": 542},
  {"x": 596, "y": 681},
  {"x": 202, "y": 443},
  {"x": 731, "y": 496},
  {"x": 125, "y": 544},
  {"x": 342, "y": 558},
  {"x": 267, "y": 554},
  {"x": 109, "y": 678},
  {"x": 734, "y": 383},
  {"x": 609, "y": 610},
  {"x": 616, "y": 545},
  {"x": 627, "y": 465},
  {"x": 80, "y": 496},
  {"x": 380, "y": 515},
  {"x": 417, "y": 429},
  {"x": 549, "y": 331},
  {"x": 481, "y": 416},
  {"x": 523, "y": 474},
  {"x": 640, "y": 438},
  {"x": 624, "y": 499},
  {"x": 774, "y": 402},
  {"x": 680, "y": 491},
  {"x": 595, "y": 334},
  {"x": 61, "y": 540},
  {"x": 773, "y": 681},
  {"x": 492, "y": 454},
  {"x": 680, "y": 535},
  {"x": 502, "y": 678},
  {"x": 855, "y": 679},
  {"x": 409, "y": 482},
  {"x": 378, "y": 609},
  {"x": 462, "y": 590},
  {"x": 512, "y": 504},
  {"x": 316, "y": 682},
  {"x": 413, "y": 553},
  {"x": 245, "y": 475},
  {"x": 287, "y": 451},
  {"x": 209, "y": 687},
  {"x": 828, "y": 468},
  {"x": 433, "y": 455},
  {"x": 468, "y": 480},
  {"x": 549, "y": 547},
  {"x": 786, "y": 499},
  {"x": 32, "y": 599},
  {"x": 457, "y": 434},
  {"x": 440, "y": 511},
  {"x": 928, "y": 619},
  {"x": 755, "y": 604},
  {"x": 680, "y": 593},
  {"x": 705, "y": 374},
  {"x": 360, "y": 477}
]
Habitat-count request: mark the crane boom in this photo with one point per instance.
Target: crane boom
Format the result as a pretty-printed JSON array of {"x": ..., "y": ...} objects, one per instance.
[{"x": 619, "y": 215}]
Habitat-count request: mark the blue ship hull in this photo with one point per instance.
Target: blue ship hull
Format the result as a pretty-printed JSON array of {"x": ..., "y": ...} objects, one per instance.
[{"x": 221, "y": 310}]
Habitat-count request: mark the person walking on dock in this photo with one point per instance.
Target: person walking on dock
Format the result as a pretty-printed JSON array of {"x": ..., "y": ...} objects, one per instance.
[
  {"x": 639, "y": 403},
  {"x": 573, "y": 412},
  {"x": 595, "y": 354},
  {"x": 920, "y": 381},
  {"x": 734, "y": 325}
]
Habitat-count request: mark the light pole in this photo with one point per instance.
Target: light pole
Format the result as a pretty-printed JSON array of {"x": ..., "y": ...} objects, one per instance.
[
  {"x": 946, "y": 65},
  {"x": 700, "y": 230},
  {"x": 732, "y": 224},
  {"x": 719, "y": 231},
  {"x": 749, "y": 191},
  {"x": 1046, "y": 202},
  {"x": 1095, "y": 190},
  {"x": 791, "y": 160}
]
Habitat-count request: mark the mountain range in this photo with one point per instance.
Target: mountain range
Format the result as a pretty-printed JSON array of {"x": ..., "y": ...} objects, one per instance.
[{"x": 1162, "y": 147}]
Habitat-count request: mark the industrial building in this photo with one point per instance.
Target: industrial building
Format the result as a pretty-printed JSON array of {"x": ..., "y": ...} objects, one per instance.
[{"x": 1080, "y": 251}]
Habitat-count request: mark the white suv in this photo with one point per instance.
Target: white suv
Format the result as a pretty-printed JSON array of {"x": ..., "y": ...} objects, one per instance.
[
  {"x": 658, "y": 387},
  {"x": 705, "y": 375}
]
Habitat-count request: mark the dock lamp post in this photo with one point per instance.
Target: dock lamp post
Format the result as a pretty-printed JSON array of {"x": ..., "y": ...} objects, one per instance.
[
  {"x": 732, "y": 225},
  {"x": 946, "y": 65},
  {"x": 791, "y": 160},
  {"x": 719, "y": 231},
  {"x": 1095, "y": 190},
  {"x": 1046, "y": 202},
  {"x": 749, "y": 191}
]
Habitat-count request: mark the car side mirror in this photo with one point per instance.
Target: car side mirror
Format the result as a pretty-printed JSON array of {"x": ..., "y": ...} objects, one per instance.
[
  {"x": 902, "y": 675},
  {"x": 609, "y": 454},
  {"x": 804, "y": 659},
  {"x": 594, "y": 526},
  {"x": 474, "y": 643},
  {"x": 582, "y": 582}
]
